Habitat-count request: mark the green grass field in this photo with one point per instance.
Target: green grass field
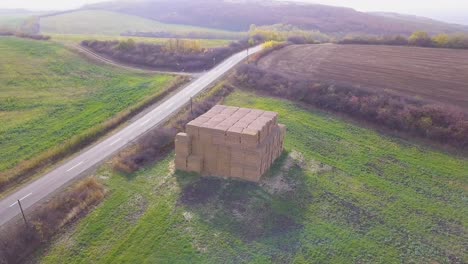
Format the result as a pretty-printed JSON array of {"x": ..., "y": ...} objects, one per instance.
[
  {"x": 49, "y": 94},
  {"x": 96, "y": 22},
  {"x": 339, "y": 194}
]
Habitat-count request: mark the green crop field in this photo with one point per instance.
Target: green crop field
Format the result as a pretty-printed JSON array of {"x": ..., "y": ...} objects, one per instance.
[
  {"x": 49, "y": 94},
  {"x": 111, "y": 23},
  {"x": 340, "y": 194}
]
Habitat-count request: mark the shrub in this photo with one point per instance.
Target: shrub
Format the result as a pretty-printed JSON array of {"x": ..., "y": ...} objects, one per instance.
[
  {"x": 32, "y": 36},
  {"x": 150, "y": 148},
  {"x": 298, "y": 40},
  {"x": 286, "y": 32},
  {"x": 6, "y": 33},
  {"x": 421, "y": 39},
  {"x": 372, "y": 40},
  {"x": 23, "y": 35}
]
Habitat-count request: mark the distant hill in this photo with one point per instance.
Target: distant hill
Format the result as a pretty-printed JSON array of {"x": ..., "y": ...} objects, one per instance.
[
  {"x": 238, "y": 15},
  {"x": 104, "y": 22},
  {"x": 13, "y": 19},
  {"x": 429, "y": 22}
]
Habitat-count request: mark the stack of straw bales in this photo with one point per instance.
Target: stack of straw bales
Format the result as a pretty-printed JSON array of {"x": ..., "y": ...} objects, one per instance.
[{"x": 231, "y": 142}]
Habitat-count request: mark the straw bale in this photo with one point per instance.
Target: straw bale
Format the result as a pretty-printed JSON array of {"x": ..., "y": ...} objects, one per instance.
[
  {"x": 195, "y": 163},
  {"x": 182, "y": 138},
  {"x": 232, "y": 142},
  {"x": 237, "y": 172},
  {"x": 217, "y": 109},
  {"x": 254, "y": 163},
  {"x": 206, "y": 138},
  {"x": 249, "y": 137},
  {"x": 230, "y": 110},
  {"x": 192, "y": 130},
  {"x": 182, "y": 148},
  {"x": 237, "y": 156},
  {"x": 200, "y": 120},
  {"x": 180, "y": 162},
  {"x": 282, "y": 128},
  {"x": 252, "y": 174},
  {"x": 242, "y": 123},
  {"x": 234, "y": 135},
  {"x": 210, "y": 165},
  {"x": 223, "y": 170},
  {"x": 209, "y": 114},
  {"x": 256, "y": 112},
  {"x": 197, "y": 147}
]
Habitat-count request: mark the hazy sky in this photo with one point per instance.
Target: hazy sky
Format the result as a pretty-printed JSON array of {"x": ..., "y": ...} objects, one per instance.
[
  {"x": 455, "y": 11},
  {"x": 46, "y": 4},
  {"x": 448, "y": 10}
]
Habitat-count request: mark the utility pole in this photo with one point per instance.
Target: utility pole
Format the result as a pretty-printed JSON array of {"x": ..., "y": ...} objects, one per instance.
[
  {"x": 191, "y": 105},
  {"x": 22, "y": 212}
]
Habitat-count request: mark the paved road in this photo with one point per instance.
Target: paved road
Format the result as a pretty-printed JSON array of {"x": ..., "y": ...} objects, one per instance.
[
  {"x": 58, "y": 178},
  {"x": 98, "y": 57}
]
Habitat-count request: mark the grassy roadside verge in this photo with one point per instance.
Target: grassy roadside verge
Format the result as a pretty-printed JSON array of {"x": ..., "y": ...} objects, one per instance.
[{"x": 340, "y": 194}]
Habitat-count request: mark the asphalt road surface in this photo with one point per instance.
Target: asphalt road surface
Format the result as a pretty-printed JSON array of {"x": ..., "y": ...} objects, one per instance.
[{"x": 61, "y": 176}]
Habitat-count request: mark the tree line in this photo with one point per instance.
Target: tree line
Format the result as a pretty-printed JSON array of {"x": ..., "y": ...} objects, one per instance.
[
  {"x": 286, "y": 32},
  {"x": 23, "y": 35},
  {"x": 419, "y": 39},
  {"x": 187, "y": 35},
  {"x": 174, "y": 55}
]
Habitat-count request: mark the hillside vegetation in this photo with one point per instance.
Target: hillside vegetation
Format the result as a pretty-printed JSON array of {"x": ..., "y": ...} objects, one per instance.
[
  {"x": 239, "y": 15},
  {"x": 100, "y": 22},
  {"x": 50, "y": 94},
  {"x": 15, "y": 20},
  {"x": 340, "y": 194},
  {"x": 11, "y": 22}
]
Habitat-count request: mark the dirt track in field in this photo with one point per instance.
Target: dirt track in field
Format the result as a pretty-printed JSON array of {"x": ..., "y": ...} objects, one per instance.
[{"x": 426, "y": 73}]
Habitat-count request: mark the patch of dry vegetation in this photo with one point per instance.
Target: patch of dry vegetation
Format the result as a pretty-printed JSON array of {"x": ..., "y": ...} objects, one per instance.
[
  {"x": 152, "y": 146},
  {"x": 18, "y": 241},
  {"x": 23, "y": 35}
]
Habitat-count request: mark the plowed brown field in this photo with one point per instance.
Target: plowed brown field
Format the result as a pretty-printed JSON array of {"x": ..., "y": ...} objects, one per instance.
[{"x": 426, "y": 73}]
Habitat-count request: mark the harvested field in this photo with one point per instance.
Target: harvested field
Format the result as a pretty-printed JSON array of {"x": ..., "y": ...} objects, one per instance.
[{"x": 425, "y": 73}]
